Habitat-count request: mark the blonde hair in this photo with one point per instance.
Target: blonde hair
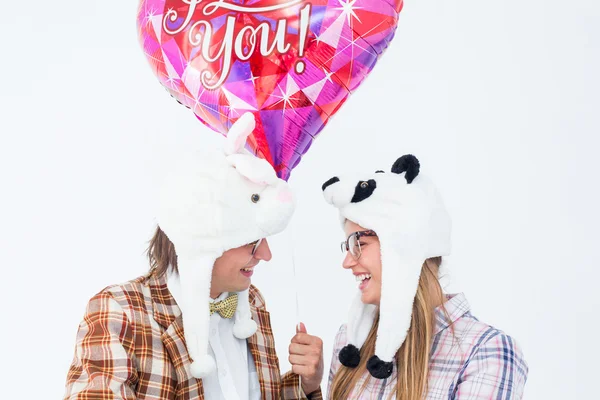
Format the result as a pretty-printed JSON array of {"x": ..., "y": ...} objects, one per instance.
[{"x": 412, "y": 359}]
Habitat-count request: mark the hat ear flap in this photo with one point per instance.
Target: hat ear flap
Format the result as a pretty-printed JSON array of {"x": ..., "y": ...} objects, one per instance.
[
  {"x": 409, "y": 164},
  {"x": 360, "y": 322},
  {"x": 195, "y": 277}
]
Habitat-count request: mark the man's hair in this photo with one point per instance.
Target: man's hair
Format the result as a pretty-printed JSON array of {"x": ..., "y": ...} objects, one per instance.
[{"x": 161, "y": 253}]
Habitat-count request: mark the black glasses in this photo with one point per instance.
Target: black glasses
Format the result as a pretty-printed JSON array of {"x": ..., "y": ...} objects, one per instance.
[{"x": 352, "y": 244}]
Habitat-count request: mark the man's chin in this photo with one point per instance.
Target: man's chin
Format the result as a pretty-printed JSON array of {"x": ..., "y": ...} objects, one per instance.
[{"x": 241, "y": 286}]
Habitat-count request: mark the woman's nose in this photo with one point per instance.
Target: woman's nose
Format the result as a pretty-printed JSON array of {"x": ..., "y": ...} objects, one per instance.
[
  {"x": 263, "y": 252},
  {"x": 349, "y": 261}
]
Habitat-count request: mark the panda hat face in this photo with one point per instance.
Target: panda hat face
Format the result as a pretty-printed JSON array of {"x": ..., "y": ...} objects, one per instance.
[
  {"x": 370, "y": 200},
  {"x": 408, "y": 215}
]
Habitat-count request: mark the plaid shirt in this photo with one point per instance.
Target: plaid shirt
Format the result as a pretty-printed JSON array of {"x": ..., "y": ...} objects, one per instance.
[
  {"x": 477, "y": 362},
  {"x": 130, "y": 345}
]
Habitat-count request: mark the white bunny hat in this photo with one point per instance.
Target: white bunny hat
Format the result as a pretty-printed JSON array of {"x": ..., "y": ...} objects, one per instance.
[
  {"x": 213, "y": 202},
  {"x": 408, "y": 215}
]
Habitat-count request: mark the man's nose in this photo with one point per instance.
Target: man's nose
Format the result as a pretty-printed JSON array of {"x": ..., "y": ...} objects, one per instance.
[{"x": 263, "y": 252}]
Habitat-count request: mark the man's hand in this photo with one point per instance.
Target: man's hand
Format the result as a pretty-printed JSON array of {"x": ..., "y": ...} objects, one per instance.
[{"x": 306, "y": 357}]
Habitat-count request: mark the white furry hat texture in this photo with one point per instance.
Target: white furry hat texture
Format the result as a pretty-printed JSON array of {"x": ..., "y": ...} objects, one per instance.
[
  {"x": 212, "y": 202},
  {"x": 408, "y": 215}
]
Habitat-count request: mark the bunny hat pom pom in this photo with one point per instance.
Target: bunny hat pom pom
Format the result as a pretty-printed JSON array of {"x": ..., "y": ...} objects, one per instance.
[{"x": 212, "y": 202}]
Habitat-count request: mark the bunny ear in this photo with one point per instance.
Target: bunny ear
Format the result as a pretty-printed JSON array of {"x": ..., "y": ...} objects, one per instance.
[
  {"x": 253, "y": 168},
  {"x": 238, "y": 133}
]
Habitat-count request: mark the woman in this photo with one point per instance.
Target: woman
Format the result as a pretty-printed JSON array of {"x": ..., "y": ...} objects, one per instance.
[{"x": 404, "y": 338}]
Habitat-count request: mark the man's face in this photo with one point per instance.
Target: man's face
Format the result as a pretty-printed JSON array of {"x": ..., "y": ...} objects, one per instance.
[{"x": 233, "y": 270}]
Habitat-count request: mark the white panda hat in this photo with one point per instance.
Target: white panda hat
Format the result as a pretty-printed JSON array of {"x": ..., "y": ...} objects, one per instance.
[
  {"x": 408, "y": 215},
  {"x": 210, "y": 203}
]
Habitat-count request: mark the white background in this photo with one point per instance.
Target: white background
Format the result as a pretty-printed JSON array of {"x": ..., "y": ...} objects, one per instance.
[{"x": 499, "y": 100}]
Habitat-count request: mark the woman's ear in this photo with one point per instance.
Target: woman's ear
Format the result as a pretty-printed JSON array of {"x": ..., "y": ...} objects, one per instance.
[{"x": 238, "y": 133}]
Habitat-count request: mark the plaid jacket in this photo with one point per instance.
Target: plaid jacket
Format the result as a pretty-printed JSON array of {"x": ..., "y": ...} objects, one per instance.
[
  {"x": 474, "y": 361},
  {"x": 130, "y": 345}
]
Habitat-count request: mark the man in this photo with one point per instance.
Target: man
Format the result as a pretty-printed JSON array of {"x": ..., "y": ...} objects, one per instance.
[{"x": 194, "y": 327}]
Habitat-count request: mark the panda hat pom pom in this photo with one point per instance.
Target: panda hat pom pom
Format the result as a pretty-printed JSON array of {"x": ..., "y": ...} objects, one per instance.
[{"x": 406, "y": 211}]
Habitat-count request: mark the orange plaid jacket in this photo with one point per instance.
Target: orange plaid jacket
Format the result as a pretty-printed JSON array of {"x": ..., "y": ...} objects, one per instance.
[{"x": 130, "y": 345}]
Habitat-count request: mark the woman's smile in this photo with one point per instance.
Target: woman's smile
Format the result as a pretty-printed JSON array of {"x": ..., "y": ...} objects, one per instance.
[{"x": 363, "y": 279}]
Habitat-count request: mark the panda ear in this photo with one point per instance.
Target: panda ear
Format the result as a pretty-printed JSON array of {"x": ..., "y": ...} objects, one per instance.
[{"x": 409, "y": 164}]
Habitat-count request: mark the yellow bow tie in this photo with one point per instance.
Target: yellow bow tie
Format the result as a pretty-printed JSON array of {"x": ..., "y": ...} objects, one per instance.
[{"x": 225, "y": 308}]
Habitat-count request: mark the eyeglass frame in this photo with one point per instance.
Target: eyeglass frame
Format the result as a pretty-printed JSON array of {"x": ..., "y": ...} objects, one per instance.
[
  {"x": 255, "y": 245},
  {"x": 345, "y": 245}
]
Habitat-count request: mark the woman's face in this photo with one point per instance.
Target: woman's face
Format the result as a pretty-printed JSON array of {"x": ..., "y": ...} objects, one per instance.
[{"x": 367, "y": 269}]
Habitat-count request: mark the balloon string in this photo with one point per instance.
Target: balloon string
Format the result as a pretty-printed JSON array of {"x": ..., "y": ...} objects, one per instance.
[{"x": 297, "y": 300}]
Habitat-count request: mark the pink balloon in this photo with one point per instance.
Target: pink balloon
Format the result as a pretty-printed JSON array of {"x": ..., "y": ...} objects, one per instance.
[{"x": 292, "y": 63}]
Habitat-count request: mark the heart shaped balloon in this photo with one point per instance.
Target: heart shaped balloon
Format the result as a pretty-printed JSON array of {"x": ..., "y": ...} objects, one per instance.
[{"x": 292, "y": 63}]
